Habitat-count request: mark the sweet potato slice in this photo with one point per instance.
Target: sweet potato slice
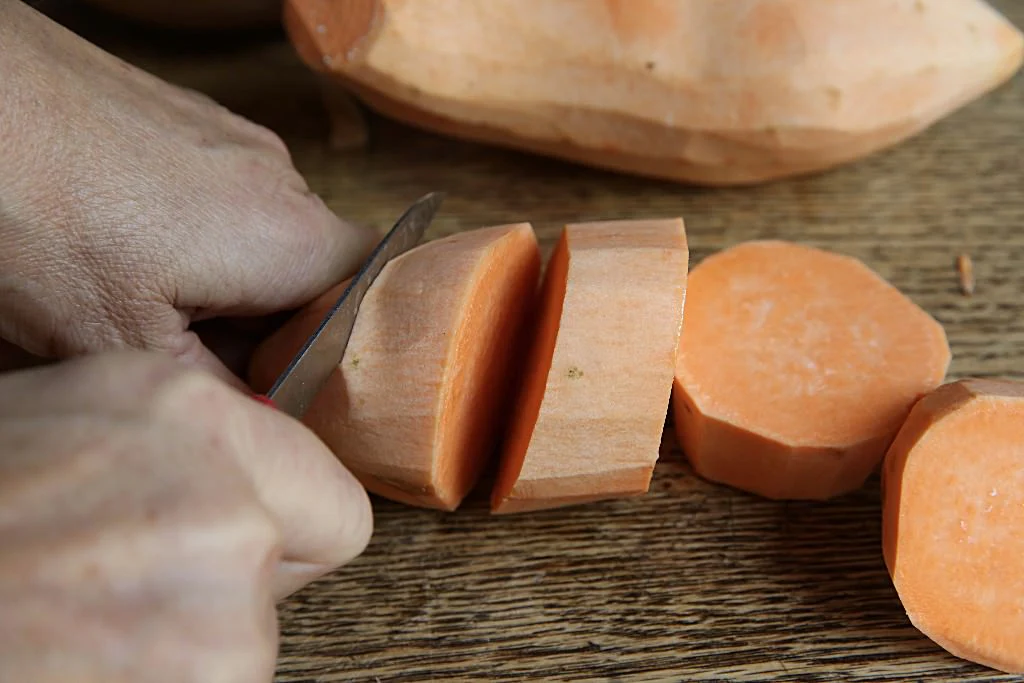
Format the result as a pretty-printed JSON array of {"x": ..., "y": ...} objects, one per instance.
[
  {"x": 953, "y": 520},
  {"x": 416, "y": 405},
  {"x": 716, "y": 93},
  {"x": 796, "y": 368},
  {"x": 590, "y": 416}
]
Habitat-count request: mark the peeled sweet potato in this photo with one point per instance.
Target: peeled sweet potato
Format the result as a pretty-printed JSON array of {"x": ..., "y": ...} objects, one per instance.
[{"x": 700, "y": 91}]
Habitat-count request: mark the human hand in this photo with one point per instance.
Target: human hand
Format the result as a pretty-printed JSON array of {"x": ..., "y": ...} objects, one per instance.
[
  {"x": 149, "y": 517},
  {"x": 130, "y": 209}
]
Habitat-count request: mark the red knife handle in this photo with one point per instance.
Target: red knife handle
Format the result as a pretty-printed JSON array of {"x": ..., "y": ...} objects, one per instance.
[{"x": 265, "y": 400}]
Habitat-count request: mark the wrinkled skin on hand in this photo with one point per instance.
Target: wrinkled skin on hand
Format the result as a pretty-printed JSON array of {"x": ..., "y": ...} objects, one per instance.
[
  {"x": 131, "y": 208},
  {"x": 149, "y": 518}
]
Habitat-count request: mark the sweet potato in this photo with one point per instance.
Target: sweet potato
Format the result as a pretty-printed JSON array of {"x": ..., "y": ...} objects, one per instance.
[
  {"x": 953, "y": 520},
  {"x": 591, "y": 412},
  {"x": 796, "y": 368},
  {"x": 416, "y": 405},
  {"x": 700, "y": 91}
]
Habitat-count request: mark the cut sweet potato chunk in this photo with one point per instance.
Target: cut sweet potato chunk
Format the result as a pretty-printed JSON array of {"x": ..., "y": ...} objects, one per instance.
[
  {"x": 953, "y": 511},
  {"x": 796, "y": 368},
  {"x": 415, "y": 407},
  {"x": 590, "y": 416}
]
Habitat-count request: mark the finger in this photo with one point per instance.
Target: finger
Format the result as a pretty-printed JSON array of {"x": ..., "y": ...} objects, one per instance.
[
  {"x": 346, "y": 246},
  {"x": 322, "y": 510},
  {"x": 117, "y": 380},
  {"x": 303, "y": 249},
  {"x": 336, "y": 250}
]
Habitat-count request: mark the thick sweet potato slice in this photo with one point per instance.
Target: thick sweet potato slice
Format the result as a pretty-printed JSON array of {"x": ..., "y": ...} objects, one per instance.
[
  {"x": 796, "y": 368},
  {"x": 590, "y": 416},
  {"x": 415, "y": 407},
  {"x": 953, "y": 511}
]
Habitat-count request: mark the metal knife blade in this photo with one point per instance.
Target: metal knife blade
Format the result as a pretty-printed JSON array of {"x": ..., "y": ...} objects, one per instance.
[{"x": 295, "y": 388}]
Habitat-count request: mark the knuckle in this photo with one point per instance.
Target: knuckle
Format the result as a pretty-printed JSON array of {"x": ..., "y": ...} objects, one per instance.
[
  {"x": 182, "y": 393},
  {"x": 256, "y": 545},
  {"x": 274, "y": 188},
  {"x": 232, "y": 536},
  {"x": 235, "y": 539},
  {"x": 301, "y": 222},
  {"x": 195, "y": 97},
  {"x": 270, "y": 138},
  {"x": 260, "y": 134},
  {"x": 288, "y": 187}
]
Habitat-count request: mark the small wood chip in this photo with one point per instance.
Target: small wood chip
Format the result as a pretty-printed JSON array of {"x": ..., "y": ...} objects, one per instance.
[{"x": 965, "y": 269}]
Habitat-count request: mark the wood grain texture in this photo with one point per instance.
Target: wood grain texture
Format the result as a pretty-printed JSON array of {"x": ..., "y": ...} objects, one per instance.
[{"x": 693, "y": 581}]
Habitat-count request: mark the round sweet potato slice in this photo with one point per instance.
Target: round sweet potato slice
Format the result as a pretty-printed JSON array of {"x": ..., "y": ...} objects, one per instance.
[
  {"x": 796, "y": 367},
  {"x": 953, "y": 512}
]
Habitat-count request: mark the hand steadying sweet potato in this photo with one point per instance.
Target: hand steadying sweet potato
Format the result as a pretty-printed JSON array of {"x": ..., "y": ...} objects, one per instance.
[{"x": 700, "y": 91}]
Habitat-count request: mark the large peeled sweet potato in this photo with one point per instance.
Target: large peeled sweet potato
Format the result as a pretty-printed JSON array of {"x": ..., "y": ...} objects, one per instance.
[{"x": 704, "y": 91}]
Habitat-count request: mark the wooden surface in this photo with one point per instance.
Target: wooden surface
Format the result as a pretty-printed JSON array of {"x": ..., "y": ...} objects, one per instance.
[{"x": 692, "y": 581}]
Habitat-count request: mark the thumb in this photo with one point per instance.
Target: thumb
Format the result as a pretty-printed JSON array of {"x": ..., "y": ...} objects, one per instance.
[{"x": 324, "y": 513}]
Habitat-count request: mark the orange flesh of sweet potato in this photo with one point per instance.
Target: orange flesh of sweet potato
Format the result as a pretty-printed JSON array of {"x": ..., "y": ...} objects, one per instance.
[
  {"x": 590, "y": 414},
  {"x": 796, "y": 368},
  {"x": 953, "y": 520},
  {"x": 415, "y": 407},
  {"x": 715, "y": 93}
]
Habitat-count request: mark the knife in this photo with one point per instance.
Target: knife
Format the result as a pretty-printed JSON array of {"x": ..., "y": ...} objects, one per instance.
[{"x": 308, "y": 371}]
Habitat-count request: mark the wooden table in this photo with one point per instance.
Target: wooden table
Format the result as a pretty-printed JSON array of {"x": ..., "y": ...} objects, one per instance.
[{"x": 692, "y": 581}]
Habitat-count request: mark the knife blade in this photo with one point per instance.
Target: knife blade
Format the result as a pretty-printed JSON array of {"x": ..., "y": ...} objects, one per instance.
[{"x": 309, "y": 370}]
